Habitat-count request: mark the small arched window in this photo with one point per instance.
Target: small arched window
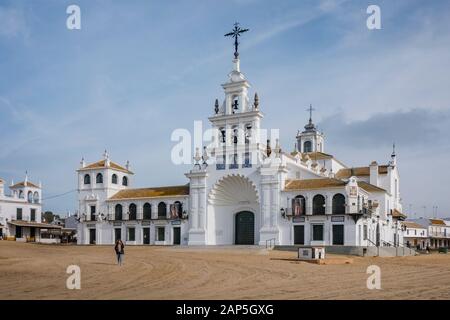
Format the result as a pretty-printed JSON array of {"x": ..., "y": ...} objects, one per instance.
[
  {"x": 299, "y": 206},
  {"x": 338, "y": 204},
  {"x": 222, "y": 134},
  {"x": 162, "y": 210},
  {"x": 319, "y": 204},
  {"x": 30, "y": 196},
  {"x": 99, "y": 178},
  {"x": 114, "y": 178},
  {"x": 118, "y": 212},
  {"x": 307, "y": 146},
  {"x": 147, "y": 211},
  {"x": 87, "y": 179},
  {"x": 248, "y": 133},
  {"x": 235, "y": 135},
  {"x": 133, "y": 211},
  {"x": 36, "y": 197},
  {"x": 21, "y": 196},
  {"x": 178, "y": 209},
  {"x": 124, "y": 181}
]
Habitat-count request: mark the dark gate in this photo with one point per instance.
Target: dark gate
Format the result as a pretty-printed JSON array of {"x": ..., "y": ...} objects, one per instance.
[
  {"x": 176, "y": 235},
  {"x": 338, "y": 234},
  {"x": 299, "y": 234},
  {"x": 146, "y": 236},
  {"x": 245, "y": 228},
  {"x": 117, "y": 234},
  {"x": 91, "y": 236},
  {"x": 378, "y": 236},
  {"x": 18, "y": 232}
]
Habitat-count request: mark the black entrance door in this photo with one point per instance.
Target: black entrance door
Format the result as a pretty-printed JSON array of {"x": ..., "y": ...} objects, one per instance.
[
  {"x": 18, "y": 232},
  {"x": 117, "y": 234},
  {"x": 378, "y": 235},
  {"x": 245, "y": 228},
  {"x": 146, "y": 236},
  {"x": 338, "y": 234},
  {"x": 176, "y": 235},
  {"x": 299, "y": 234},
  {"x": 91, "y": 236},
  {"x": 32, "y": 232}
]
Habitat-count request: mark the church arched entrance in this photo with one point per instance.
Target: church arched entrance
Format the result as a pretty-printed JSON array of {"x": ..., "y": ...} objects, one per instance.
[
  {"x": 233, "y": 212},
  {"x": 244, "y": 228}
]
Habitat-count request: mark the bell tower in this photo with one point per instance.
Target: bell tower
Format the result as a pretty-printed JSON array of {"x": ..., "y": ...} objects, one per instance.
[
  {"x": 310, "y": 140},
  {"x": 236, "y": 121}
]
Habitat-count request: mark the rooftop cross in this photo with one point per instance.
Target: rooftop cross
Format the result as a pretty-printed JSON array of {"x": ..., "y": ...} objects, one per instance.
[
  {"x": 310, "y": 109},
  {"x": 310, "y": 126},
  {"x": 235, "y": 33}
]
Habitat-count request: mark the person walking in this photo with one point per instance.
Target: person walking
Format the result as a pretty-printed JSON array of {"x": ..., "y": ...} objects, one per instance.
[{"x": 119, "y": 251}]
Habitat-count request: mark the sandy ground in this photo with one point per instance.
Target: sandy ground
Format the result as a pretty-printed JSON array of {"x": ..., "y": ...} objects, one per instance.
[{"x": 32, "y": 271}]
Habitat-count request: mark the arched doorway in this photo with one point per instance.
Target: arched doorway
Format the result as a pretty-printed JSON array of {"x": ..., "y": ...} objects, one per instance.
[
  {"x": 244, "y": 228},
  {"x": 227, "y": 199}
]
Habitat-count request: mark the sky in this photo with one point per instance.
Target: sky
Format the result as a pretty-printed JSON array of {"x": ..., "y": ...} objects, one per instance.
[{"x": 138, "y": 70}]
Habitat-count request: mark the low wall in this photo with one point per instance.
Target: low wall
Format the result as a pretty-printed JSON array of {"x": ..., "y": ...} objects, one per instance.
[
  {"x": 359, "y": 251},
  {"x": 49, "y": 241}
]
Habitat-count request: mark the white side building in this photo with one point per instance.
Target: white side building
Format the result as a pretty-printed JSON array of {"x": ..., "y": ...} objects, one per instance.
[
  {"x": 415, "y": 235},
  {"x": 21, "y": 211}
]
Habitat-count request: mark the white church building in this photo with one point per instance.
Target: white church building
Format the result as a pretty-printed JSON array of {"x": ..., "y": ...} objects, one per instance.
[{"x": 244, "y": 189}]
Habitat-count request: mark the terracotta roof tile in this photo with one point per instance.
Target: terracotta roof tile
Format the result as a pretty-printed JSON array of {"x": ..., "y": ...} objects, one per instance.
[
  {"x": 24, "y": 184},
  {"x": 101, "y": 164},
  {"x": 319, "y": 155},
  {"x": 369, "y": 187},
  {"x": 34, "y": 224},
  {"x": 359, "y": 171},
  {"x": 410, "y": 224},
  {"x": 437, "y": 222},
  {"x": 398, "y": 214},
  {"x": 313, "y": 184},
  {"x": 156, "y": 192}
]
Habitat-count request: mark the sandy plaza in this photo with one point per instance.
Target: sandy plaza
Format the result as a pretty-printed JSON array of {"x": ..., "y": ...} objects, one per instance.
[{"x": 32, "y": 271}]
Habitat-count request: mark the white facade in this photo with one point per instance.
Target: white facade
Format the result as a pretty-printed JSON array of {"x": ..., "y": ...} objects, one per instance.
[
  {"x": 244, "y": 190},
  {"x": 415, "y": 235},
  {"x": 109, "y": 209},
  {"x": 20, "y": 211},
  {"x": 438, "y": 231}
]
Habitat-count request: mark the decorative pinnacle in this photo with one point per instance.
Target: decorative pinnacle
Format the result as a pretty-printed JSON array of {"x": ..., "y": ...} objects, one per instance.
[
  {"x": 216, "y": 106},
  {"x": 256, "y": 101},
  {"x": 268, "y": 148}
]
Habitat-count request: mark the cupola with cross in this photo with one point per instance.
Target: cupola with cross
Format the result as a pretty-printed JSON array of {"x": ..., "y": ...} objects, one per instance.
[{"x": 310, "y": 139}]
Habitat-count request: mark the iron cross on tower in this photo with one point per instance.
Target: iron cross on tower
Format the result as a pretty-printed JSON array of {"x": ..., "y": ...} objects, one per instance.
[
  {"x": 236, "y": 32},
  {"x": 310, "y": 109}
]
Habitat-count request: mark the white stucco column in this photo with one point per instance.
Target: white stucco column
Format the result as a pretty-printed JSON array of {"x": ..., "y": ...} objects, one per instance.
[
  {"x": 265, "y": 205},
  {"x": 309, "y": 205},
  {"x": 275, "y": 207},
  {"x": 328, "y": 204},
  {"x": 270, "y": 203},
  {"x": 168, "y": 209},
  {"x": 201, "y": 208},
  {"x": 194, "y": 208},
  {"x": 197, "y": 212},
  {"x": 154, "y": 210}
]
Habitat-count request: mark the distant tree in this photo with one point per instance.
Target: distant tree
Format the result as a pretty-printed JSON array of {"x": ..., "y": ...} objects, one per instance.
[{"x": 48, "y": 216}]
